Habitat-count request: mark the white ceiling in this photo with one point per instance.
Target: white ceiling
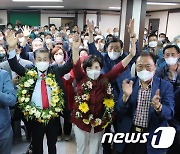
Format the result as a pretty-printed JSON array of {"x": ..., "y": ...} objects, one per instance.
[{"x": 82, "y": 4}]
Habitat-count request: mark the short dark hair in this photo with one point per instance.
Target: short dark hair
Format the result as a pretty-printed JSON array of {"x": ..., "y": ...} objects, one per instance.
[
  {"x": 171, "y": 46},
  {"x": 114, "y": 40},
  {"x": 83, "y": 49},
  {"x": 90, "y": 60},
  {"x": 162, "y": 34},
  {"x": 147, "y": 54},
  {"x": 152, "y": 35},
  {"x": 42, "y": 50}
]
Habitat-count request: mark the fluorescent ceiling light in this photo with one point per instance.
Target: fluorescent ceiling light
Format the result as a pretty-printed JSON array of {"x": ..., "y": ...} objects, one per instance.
[
  {"x": 157, "y": 3},
  {"x": 37, "y": 0},
  {"x": 45, "y": 6},
  {"x": 114, "y": 8}
]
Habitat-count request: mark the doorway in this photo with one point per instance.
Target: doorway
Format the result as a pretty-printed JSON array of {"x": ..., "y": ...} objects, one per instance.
[
  {"x": 154, "y": 26},
  {"x": 62, "y": 21}
]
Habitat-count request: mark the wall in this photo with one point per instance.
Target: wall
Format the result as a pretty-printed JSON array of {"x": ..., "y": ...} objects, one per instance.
[
  {"x": 108, "y": 21},
  {"x": 163, "y": 20},
  {"x": 173, "y": 25},
  {"x": 46, "y": 14},
  {"x": 3, "y": 17}
]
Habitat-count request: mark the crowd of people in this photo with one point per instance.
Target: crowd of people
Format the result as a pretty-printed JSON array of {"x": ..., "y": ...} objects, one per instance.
[{"x": 88, "y": 79}]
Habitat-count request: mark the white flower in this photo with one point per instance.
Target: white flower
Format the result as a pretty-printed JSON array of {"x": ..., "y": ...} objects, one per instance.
[
  {"x": 32, "y": 111},
  {"x": 31, "y": 81},
  {"x": 27, "y": 100},
  {"x": 51, "y": 113},
  {"x": 48, "y": 116},
  {"x": 85, "y": 97},
  {"x": 90, "y": 117},
  {"x": 22, "y": 99},
  {"x": 57, "y": 109},
  {"x": 26, "y": 84},
  {"x": 89, "y": 84},
  {"x": 24, "y": 92},
  {"x": 99, "y": 121},
  {"x": 78, "y": 114},
  {"x": 27, "y": 107},
  {"x": 37, "y": 114}
]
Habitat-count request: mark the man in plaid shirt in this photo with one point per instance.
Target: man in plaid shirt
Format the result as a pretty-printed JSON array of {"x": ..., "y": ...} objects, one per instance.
[{"x": 147, "y": 103}]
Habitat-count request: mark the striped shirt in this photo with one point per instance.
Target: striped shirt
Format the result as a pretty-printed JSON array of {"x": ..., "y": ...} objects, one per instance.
[{"x": 143, "y": 105}]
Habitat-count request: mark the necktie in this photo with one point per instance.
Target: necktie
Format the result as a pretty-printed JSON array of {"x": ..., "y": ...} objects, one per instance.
[{"x": 44, "y": 95}]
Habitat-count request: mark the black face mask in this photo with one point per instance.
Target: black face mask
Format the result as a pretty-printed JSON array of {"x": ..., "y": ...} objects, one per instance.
[{"x": 2, "y": 55}]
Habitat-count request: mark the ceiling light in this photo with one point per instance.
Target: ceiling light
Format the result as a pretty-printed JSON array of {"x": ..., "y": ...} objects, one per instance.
[
  {"x": 37, "y": 0},
  {"x": 114, "y": 8},
  {"x": 156, "y": 3},
  {"x": 45, "y": 6}
]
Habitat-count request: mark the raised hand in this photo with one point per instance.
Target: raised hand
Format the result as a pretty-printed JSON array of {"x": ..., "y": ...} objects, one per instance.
[
  {"x": 11, "y": 39},
  {"x": 131, "y": 27},
  {"x": 133, "y": 47},
  {"x": 76, "y": 41},
  {"x": 26, "y": 31},
  {"x": 156, "y": 100},
  {"x": 90, "y": 26},
  {"x": 127, "y": 88}
]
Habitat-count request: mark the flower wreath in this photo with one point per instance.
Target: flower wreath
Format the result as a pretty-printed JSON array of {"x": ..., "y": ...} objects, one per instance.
[
  {"x": 82, "y": 101},
  {"x": 29, "y": 109}
]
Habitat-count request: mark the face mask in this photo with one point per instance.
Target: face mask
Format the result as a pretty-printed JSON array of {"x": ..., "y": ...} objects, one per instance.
[
  {"x": 9, "y": 27},
  {"x": 116, "y": 34},
  {"x": 114, "y": 55},
  {"x": 1, "y": 37},
  {"x": 171, "y": 60},
  {"x": 82, "y": 37},
  {"x": 164, "y": 45},
  {"x": 145, "y": 75},
  {"x": 16, "y": 29},
  {"x": 102, "y": 45},
  {"x": 178, "y": 45},
  {"x": 67, "y": 33},
  {"x": 36, "y": 32},
  {"x": 93, "y": 74},
  {"x": 85, "y": 42},
  {"x": 96, "y": 30},
  {"x": 46, "y": 31},
  {"x": 153, "y": 44},
  {"x": 145, "y": 32},
  {"x": 2, "y": 55},
  {"x": 42, "y": 66},
  {"x": 161, "y": 39},
  {"x": 18, "y": 56},
  {"x": 71, "y": 40},
  {"x": 21, "y": 39},
  {"x": 48, "y": 41},
  {"x": 58, "y": 58}
]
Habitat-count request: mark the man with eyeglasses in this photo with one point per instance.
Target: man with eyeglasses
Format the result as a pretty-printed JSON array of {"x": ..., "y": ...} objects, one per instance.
[{"x": 147, "y": 102}]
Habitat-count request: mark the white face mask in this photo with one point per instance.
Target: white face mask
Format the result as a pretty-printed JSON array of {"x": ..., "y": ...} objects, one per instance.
[
  {"x": 178, "y": 45},
  {"x": 42, "y": 66},
  {"x": 67, "y": 33},
  {"x": 21, "y": 39},
  {"x": 85, "y": 42},
  {"x": 58, "y": 58},
  {"x": 102, "y": 45},
  {"x": 71, "y": 40},
  {"x": 145, "y": 32},
  {"x": 18, "y": 56},
  {"x": 36, "y": 32},
  {"x": 93, "y": 74},
  {"x": 82, "y": 37},
  {"x": 171, "y": 60},
  {"x": 153, "y": 44},
  {"x": 116, "y": 34},
  {"x": 161, "y": 39},
  {"x": 48, "y": 41},
  {"x": 114, "y": 55},
  {"x": 1, "y": 37},
  {"x": 145, "y": 75}
]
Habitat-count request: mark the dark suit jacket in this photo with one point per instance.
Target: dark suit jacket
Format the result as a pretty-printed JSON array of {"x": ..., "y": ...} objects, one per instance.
[
  {"x": 59, "y": 71},
  {"x": 126, "y": 111}
]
